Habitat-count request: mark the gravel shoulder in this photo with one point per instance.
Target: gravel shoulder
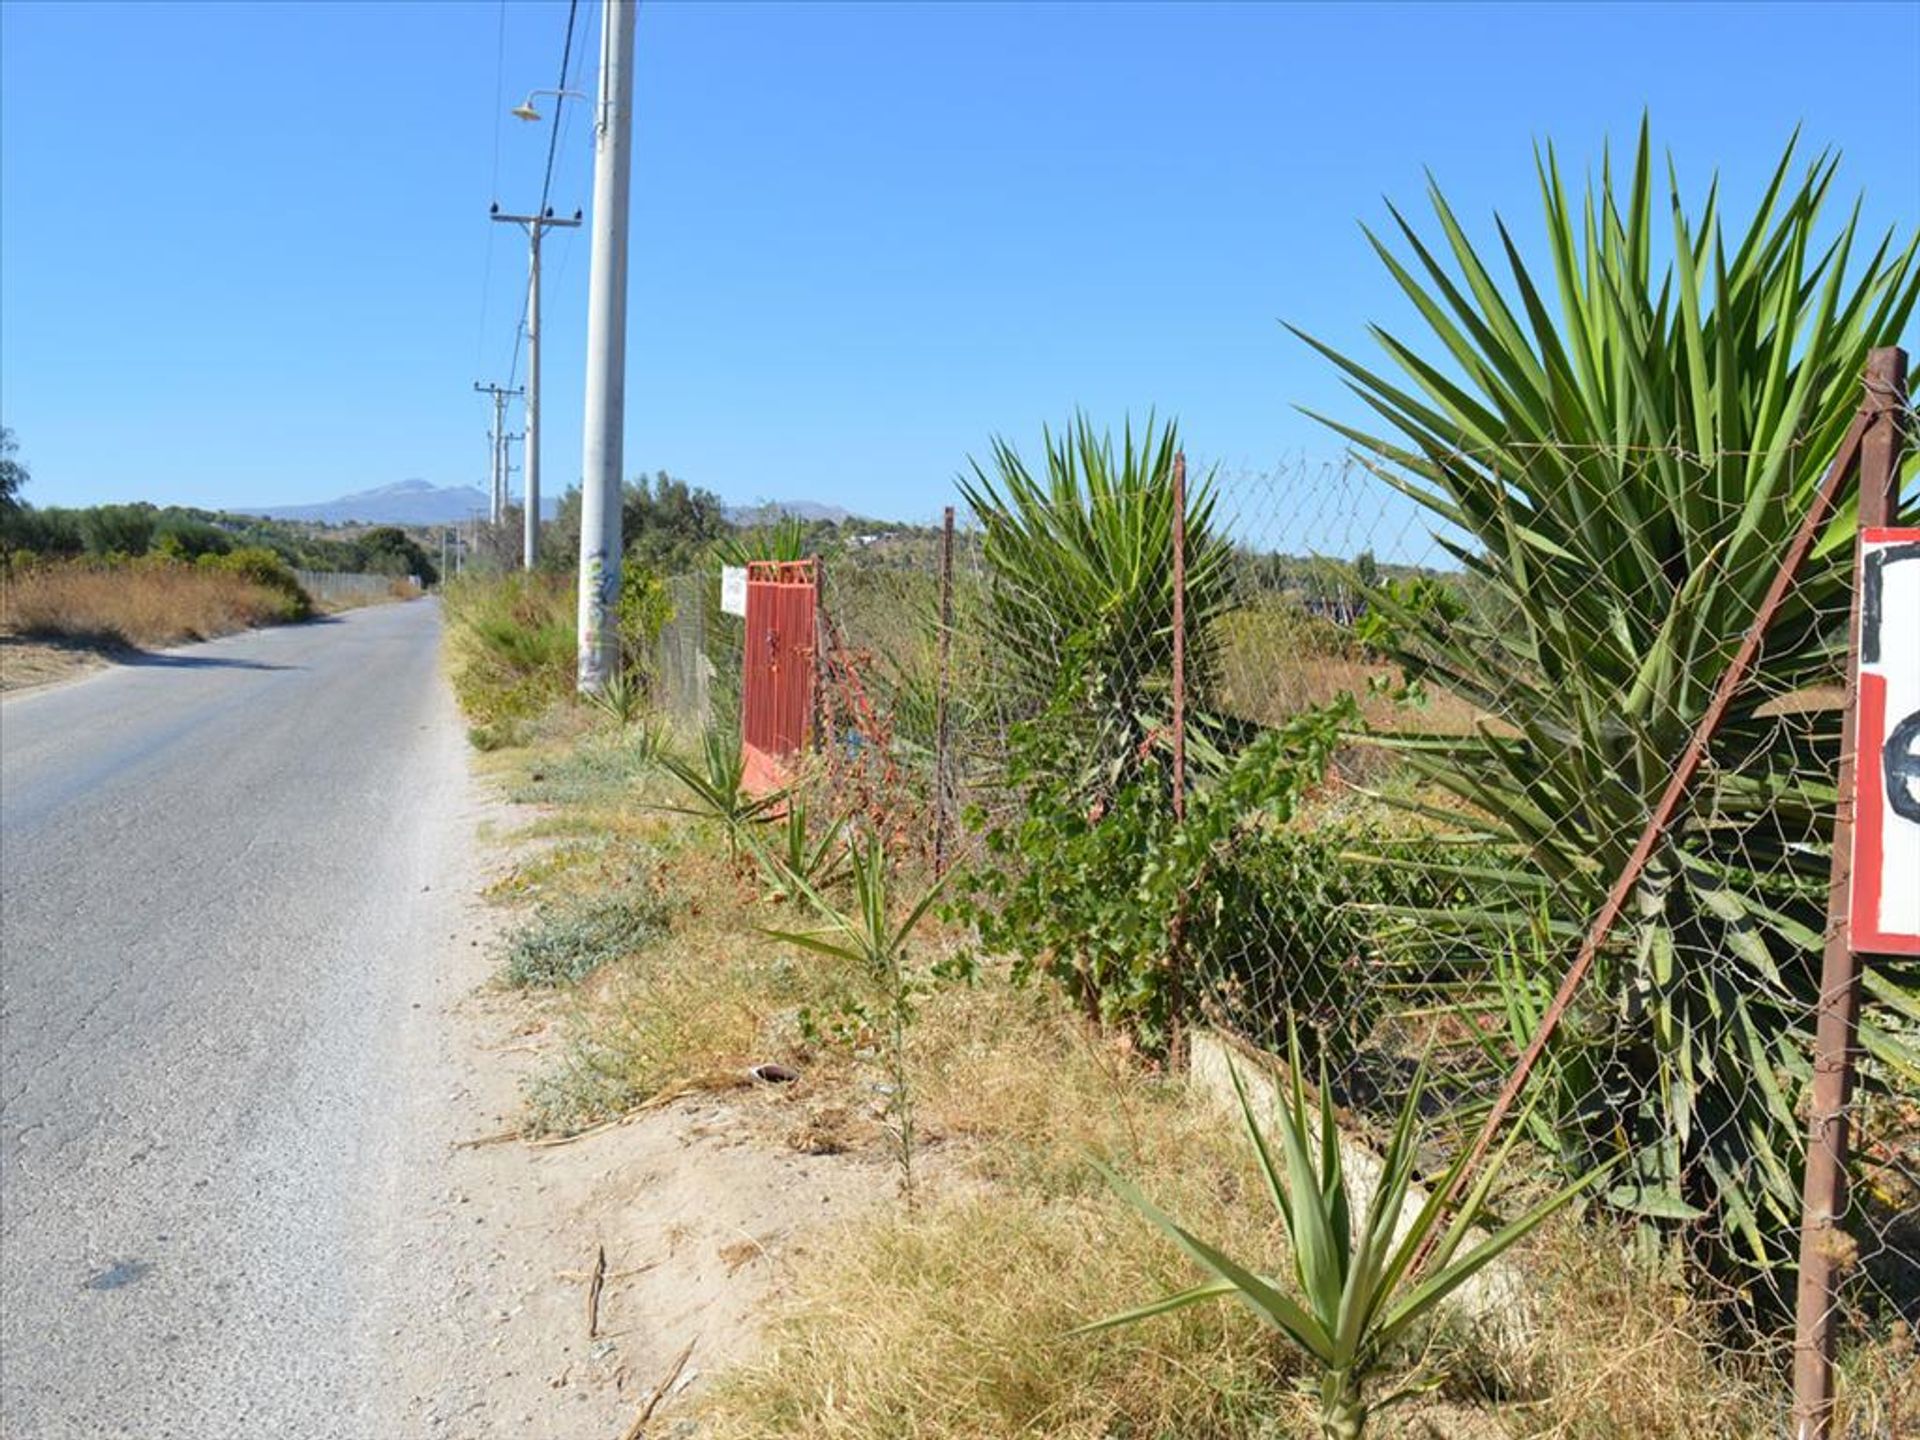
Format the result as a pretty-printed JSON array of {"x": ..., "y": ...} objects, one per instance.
[{"x": 696, "y": 1215}]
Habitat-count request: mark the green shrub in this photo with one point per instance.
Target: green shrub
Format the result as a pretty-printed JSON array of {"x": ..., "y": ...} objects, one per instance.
[
  {"x": 1620, "y": 474},
  {"x": 117, "y": 529},
  {"x": 260, "y": 566},
  {"x": 180, "y": 537},
  {"x": 1089, "y": 894},
  {"x": 1079, "y": 608},
  {"x": 564, "y": 943},
  {"x": 511, "y": 645}
]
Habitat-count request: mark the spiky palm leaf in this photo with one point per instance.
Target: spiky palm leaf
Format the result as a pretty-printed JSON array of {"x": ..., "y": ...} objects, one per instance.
[
  {"x": 1357, "y": 1290},
  {"x": 1618, "y": 452},
  {"x": 1080, "y": 610}
]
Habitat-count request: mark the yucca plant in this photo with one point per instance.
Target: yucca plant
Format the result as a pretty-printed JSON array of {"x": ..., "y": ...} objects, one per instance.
[
  {"x": 715, "y": 789},
  {"x": 784, "y": 537},
  {"x": 1079, "y": 612},
  {"x": 1617, "y": 452},
  {"x": 621, "y": 698},
  {"x": 803, "y": 863},
  {"x": 870, "y": 938},
  {"x": 1355, "y": 1293}
]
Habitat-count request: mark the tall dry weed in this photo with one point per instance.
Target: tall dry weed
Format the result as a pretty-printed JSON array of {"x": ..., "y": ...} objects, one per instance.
[{"x": 139, "y": 606}]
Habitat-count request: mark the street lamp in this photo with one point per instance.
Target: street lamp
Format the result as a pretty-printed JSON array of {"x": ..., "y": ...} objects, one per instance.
[
  {"x": 534, "y": 225},
  {"x": 525, "y": 111}
]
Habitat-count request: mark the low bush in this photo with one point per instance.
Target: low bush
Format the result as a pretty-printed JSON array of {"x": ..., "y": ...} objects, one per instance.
[
  {"x": 260, "y": 566},
  {"x": 565, "y": 943},
  {"x": 511, "y": 646}
]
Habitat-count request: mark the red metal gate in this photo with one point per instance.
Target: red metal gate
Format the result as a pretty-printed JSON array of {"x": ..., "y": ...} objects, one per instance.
[{"x": 783, "y": 600}]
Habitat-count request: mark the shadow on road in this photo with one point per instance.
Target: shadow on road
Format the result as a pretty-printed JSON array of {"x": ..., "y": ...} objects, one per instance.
[{"x": 143, "y": 658}]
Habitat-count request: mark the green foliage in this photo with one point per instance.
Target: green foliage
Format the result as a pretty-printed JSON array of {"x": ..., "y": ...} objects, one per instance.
[
  {"x": 714, "y": 787},
  {"x": 868, "y": 936},
  {"x": 181, "y": 537},
  {"x": 1079, "y": 616},
  {"x": 51, "y": 532},
  {"x": 117, "y": 529},
  {"x": 645, "y": 609},
  {"x": 785, "y": 537},
  {"x": 665, "y": 524},
  {"x": 178, "y": 532},
  {"x": 1355, "y": 1293},
  {"x": 599, "y": 771},
  {"x": 14, "y": 474},
  {"x": 565, "y": 943},
  {"x": 511, "y": 644},
  {"x": 262, "y": 567},
  {"x": 621, "y": 698},
  {"x": 1088, "y": 894},
  {"x": 1621, "y": 478},
  {"x": 805, "y": 862},
  {"x": 389, "y": 550}
]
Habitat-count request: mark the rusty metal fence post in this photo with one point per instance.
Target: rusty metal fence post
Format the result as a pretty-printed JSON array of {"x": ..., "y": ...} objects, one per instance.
[
  {"x": 1836, "y": 1021},
  {"x": 942, "y": 734}
]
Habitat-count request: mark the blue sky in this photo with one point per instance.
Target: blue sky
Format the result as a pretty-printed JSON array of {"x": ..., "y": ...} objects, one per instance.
[{"x": 244, "y": 252}]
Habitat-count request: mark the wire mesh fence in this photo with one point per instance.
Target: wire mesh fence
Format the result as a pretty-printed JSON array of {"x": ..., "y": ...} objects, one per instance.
[
  {"x": 340, "y": 586},
  {"x": 1427, "y": 723}
]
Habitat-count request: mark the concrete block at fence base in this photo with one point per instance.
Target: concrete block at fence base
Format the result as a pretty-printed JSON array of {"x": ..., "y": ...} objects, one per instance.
[{"x": 1497, "y": 1306}]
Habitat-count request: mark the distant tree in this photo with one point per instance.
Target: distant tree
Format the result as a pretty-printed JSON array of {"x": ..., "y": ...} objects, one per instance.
[
  {"x": 666, "y": 523},
  {"x": 560, "y": 536},
  {"x": 118, "y": 529},
  {"x": 13, "y": 473},
  {"x": 183, "y": 535},
  {"x": 42, "y": 532},
  {"x": 389, "y": 550}
]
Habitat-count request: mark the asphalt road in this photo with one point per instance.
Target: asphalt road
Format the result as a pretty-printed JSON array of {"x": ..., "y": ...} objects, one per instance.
[{"x": 217, "y": 908}]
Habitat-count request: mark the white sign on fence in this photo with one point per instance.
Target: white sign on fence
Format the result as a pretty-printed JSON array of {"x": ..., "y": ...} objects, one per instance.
[
  {"x": 1885, "y": 916},
  {"x": 733, "y": 589}
]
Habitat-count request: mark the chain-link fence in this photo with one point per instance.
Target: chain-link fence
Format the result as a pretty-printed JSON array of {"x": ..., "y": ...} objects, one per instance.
[
  {"x": 1520, "y": 763},
  {"x": 348, "y": 587}
]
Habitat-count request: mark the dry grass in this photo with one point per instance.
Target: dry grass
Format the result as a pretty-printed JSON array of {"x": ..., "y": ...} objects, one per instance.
[
  {"x": 26, "y": 663},
  {"x": 1619, "y": 1354},
  {"x": 949, "y": 1317},
  {"x": 952, "y": 1319},
  {"x": 140, "y": 606}
]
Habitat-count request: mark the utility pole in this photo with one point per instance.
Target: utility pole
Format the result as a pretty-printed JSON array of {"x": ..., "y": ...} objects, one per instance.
[
  {"x": 498, "y": 488},
  {"x": 507, "y": 442},
  {"x": 533, "y": 225},
  {"x": 600, "y": 538}
]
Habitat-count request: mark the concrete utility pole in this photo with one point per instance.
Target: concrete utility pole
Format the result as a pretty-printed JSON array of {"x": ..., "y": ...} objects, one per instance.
[
  {"x": 533, "y": 225},
  {"x": 507, "y": 468},
  {"x": 497, "y": 502},
  {"x": 600, "y": 539}
]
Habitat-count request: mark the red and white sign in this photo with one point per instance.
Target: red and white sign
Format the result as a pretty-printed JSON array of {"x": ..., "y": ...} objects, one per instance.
[{"x": 1885, "y": 915}]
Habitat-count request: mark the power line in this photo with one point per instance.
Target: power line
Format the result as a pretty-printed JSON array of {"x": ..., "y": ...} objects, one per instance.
[
  {"x": 493, "y": 183},
  {"x": 553, "y": 140},
  {"x": 546, "y": 183},
  {"x": 573, "y": 83}
]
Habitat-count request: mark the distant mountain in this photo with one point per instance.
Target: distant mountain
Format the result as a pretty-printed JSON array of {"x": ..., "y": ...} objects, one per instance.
[
  {"x": 407, "y": 502},
  {"x": 767, "y": 511}
]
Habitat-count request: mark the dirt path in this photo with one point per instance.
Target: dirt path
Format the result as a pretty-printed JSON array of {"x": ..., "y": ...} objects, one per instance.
[{"x": 695, "y": 1212}]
